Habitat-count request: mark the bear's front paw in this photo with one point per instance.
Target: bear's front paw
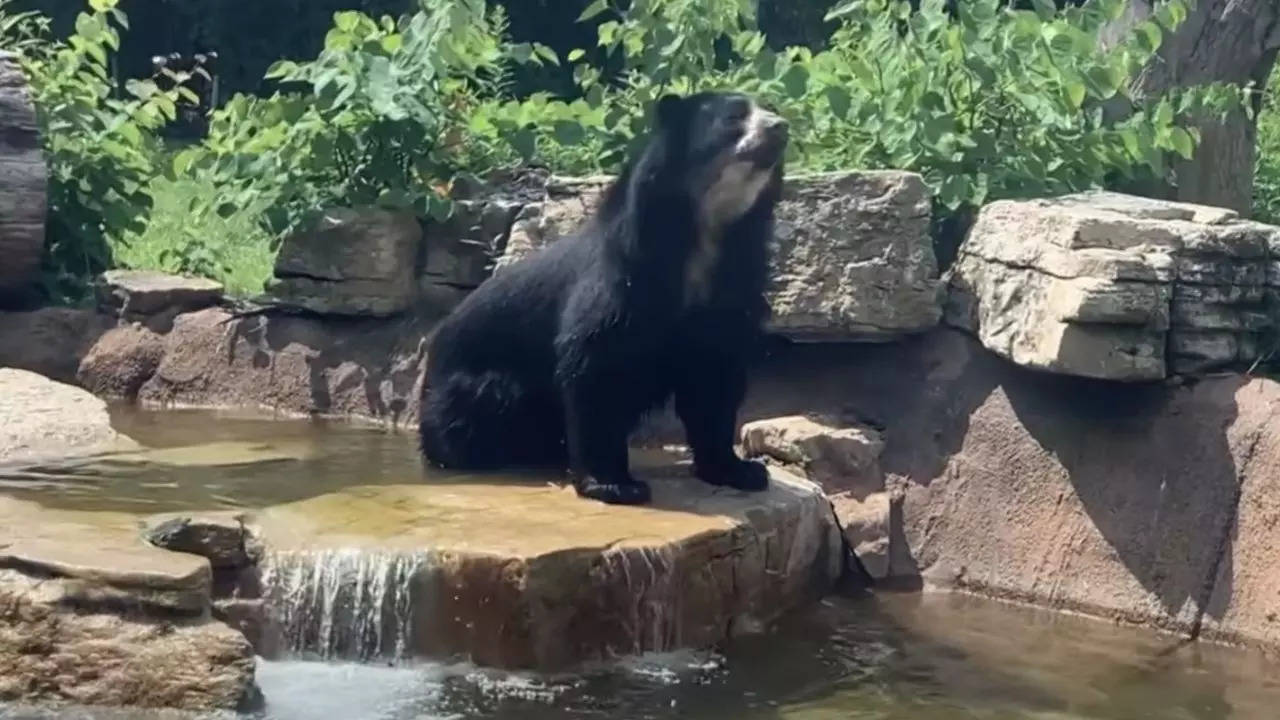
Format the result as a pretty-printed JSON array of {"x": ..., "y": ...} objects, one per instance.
[
  {"x": 627, "y": 492},
  {"x": 738, "y": 474}
]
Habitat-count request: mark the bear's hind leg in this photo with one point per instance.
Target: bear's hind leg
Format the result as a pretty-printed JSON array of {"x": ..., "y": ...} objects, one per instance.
[{"x": 490, "y": 421}]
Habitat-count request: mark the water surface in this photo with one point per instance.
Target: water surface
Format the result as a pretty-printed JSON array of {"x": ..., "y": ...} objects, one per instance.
[{"x": 889, "y": 657}]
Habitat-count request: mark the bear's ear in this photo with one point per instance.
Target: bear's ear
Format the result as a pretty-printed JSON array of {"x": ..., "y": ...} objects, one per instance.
[{"x": 670, "y": 109}]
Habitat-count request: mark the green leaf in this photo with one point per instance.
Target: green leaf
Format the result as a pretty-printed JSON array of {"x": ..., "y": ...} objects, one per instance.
[
  {"x": 568, "y": 132},
  {"x": 1148, "y": 36},
  {"x": 593, "y": 10},
  {"x": 839, "y": 101},
  {"x": 577, "y": 54},
  {"x": 1182, "y": 142},
  {"x": 546, "y": 53},
  {"x": 796, "y": 80},
  {"x": 1075, "y": 91}
]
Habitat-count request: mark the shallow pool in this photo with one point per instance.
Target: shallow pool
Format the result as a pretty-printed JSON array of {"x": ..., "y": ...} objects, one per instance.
[{"x": 890, "y": 656}]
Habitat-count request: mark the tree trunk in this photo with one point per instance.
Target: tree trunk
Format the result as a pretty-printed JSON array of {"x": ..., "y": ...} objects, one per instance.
[
  {"x": 23, "y": 188},
  {"x": 1220, "y": 41}
]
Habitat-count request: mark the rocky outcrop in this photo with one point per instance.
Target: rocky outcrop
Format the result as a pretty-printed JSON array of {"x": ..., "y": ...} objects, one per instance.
[
  {"x": 23, "y": 186},
  {"x": 852, "y": 259},
  {"x": 89, "y": 615},
  {"x": 844, "y": 459},
  {"x": 352, "y": 262},
  {"x": 1141, "y": 502},
  {"x": 42, "y": 419},
  {"x": 839, "y": 457},
  {"x": 54, "y": 648},
  {"x": 1117, "y": 287},
  {"x": 292, "y": 364},
  {"x": 530, "y": 576}
]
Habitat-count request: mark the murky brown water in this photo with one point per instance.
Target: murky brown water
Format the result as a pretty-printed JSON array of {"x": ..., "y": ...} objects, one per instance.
[{"x": 892, "y": 657}]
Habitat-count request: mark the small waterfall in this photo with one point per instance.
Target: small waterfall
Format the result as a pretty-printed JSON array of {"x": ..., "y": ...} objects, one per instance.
[{"x": 350, "y": 604}]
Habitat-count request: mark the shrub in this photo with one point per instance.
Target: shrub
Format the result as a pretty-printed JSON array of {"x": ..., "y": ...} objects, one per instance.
[
  {"x": 1266, "y": 179},
  {"x": 98, "y": 141},
  {"x": 380, "y": 117}
]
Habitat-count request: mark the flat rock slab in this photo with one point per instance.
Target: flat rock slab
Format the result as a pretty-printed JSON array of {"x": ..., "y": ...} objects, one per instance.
[
  {"x": 42, "y": 419},
  {"x": 101, "y": 554},
  {"x": 148, "y": 292},
  {"x": 531, "y": 576}
]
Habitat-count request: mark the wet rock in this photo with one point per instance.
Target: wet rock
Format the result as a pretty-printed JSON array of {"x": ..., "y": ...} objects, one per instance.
[
  {"x": 251, "y": 619},
  {"x": 222, "y": 538},
  {"x": 23, "y": 191},
  {"x": 41, "y": 419},
  {"x": 121, "y": 361},
  {"x": 839, "y": 458},
  {"x": 852, "y": 256},
  {"x": 56, "y": 647},
  {"x": 866, "y": 527},
  {"x": 528, "y": 575},
  {"x": 353, "y": 262},
  {"x": 142, "y": 293},
  {"x": 49, "y": 341},
  {"x": 1116, "y": 287}
]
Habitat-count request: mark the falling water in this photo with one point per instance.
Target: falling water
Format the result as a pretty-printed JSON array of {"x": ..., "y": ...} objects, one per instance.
[{"x": 350, "y": 604}]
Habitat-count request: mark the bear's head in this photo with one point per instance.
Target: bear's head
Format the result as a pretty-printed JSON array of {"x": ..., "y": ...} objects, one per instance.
[{"x": 724, "y": 148}]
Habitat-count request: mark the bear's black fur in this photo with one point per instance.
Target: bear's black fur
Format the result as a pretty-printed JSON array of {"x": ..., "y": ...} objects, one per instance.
[{"x": 554, "y": 361}]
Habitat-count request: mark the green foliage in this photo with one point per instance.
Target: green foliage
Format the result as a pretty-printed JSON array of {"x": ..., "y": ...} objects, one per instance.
[
  {"x": 990, "y": 102},
  {"x": 98, "y": 145},
  {"x": 380, "y": 117},
  {"x": 997, "y": 102},
  {"x": 1266, "y": 180}
]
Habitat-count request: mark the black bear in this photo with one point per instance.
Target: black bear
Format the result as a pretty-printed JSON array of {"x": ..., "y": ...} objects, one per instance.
[{"x": 554, "y": 361}]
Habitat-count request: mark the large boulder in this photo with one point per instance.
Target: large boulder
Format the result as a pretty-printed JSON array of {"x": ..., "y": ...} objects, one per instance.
[
  {"x": 852, "y": 259},
  {"x": 23, "y": 186},
  {"x": 1117, "y": 287},
  {"x": 41, "y": 419},
  {"x": 50, "y": 341},
  {"x": 350, "y": 262},
  {"x": 531, "y": 576}
]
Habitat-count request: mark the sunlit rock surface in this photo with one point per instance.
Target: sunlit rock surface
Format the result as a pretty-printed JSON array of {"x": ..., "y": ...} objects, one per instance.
[
  {"x": 1111, "y": 286},
  {"x": 41, "y": 419},
  {"x": 528, "y": 575}
]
